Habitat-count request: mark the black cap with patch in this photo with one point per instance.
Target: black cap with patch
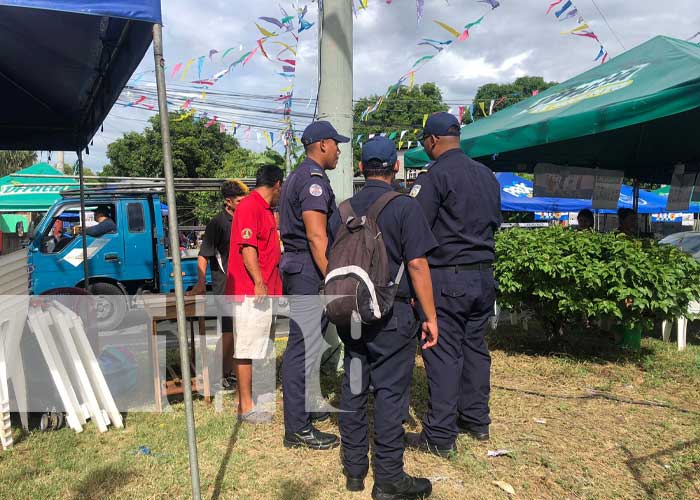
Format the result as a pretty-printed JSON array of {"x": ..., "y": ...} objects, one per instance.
[
  {"x": 320, "y": 130},
  {"x": 440, "y": 124}
]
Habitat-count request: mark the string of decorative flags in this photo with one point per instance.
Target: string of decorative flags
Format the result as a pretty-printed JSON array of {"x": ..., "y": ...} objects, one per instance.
[
  {"x": 471, "y": 107},
  {"x": 285, "y": 57},
  {"x": 439, "y": 46},
  {"x": 420, "y": 6},
  {"x": 564, "y": 10},
  {"x": 285, "y": 24},
  {"x": 288, "y": 69},
  {"x": 392, "y": 136}
]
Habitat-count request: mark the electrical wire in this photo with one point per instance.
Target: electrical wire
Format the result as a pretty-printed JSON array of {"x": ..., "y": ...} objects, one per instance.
[
  {"x": 320, "y": 59},
  {"x": 595, "y": 4}
]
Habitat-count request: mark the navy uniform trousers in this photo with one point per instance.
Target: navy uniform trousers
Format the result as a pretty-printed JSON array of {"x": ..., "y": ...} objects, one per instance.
[
  {"x": 459, "y": 366},
  {"x": 301, "y": 360},
  {"x": 384, "y": 356}
]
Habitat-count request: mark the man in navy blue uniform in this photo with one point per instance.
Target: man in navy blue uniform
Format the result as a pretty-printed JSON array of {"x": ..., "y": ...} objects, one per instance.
[
  {"x": 386, "y": 351},
  {"x": 306, "y": 204},
  {"x": 462, "y": 203}
]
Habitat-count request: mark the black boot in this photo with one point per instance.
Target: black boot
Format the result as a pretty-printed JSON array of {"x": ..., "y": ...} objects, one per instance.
[
  {"x": 419, "y": 442},
  {"x": 406, "y": 488},
  {"x": 354, "y": 483},
  {"x": 320, "y": 416},
  {"x": 311, "y": 438},
  {"x": 478, "y": 433}
]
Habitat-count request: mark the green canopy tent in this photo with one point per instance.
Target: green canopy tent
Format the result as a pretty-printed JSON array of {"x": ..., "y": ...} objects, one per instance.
[
  {"x": 663, "y": 191},
  {"x": 32, "y": 194},
  {"x": 639, "y": 112}
]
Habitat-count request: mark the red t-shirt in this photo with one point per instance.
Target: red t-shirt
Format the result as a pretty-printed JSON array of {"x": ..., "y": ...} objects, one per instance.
[{"x": 254, "y": 225}]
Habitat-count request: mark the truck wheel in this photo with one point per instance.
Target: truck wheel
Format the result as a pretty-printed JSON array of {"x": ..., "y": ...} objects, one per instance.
[{"x": 110, "y": 305}]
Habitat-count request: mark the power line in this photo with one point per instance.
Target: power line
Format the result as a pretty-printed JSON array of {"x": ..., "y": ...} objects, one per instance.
[
  {"x": 608, "y": 24},
  {"x": 182, "y": 88}
]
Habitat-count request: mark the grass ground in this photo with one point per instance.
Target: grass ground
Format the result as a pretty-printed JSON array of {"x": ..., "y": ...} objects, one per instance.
[{"x": 562, "y": 446}]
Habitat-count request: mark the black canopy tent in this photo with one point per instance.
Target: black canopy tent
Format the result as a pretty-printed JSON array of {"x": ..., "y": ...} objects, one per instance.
[{"x": 63, "y": 64}]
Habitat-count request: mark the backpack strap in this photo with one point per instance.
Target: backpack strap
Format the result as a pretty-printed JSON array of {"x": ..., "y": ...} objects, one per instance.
[
  {"x": 346, "y": 212},
  {"x": 374, "y": 212},
  {"x": 381, "y": 203}
]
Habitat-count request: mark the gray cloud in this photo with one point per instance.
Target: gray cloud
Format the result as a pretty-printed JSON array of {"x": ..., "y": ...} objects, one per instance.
[{"x": 515, "y": 39}]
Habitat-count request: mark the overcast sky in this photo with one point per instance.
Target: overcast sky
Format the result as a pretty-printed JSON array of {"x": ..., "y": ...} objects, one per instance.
[{"x": 513, "y": 40}]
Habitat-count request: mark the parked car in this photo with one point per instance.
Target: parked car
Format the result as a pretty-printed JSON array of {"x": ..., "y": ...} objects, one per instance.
[{"x": 688, "y": 241}]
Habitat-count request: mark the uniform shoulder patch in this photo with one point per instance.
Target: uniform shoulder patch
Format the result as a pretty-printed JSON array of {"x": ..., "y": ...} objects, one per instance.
[
  {"x": 415, "y": 190},
  {"x": 315, "y": 190},
  {"x": 246, "y": 233}
]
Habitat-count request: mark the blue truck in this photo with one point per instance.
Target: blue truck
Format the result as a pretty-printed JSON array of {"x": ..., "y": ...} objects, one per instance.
[{"x": 123, "y": 264}]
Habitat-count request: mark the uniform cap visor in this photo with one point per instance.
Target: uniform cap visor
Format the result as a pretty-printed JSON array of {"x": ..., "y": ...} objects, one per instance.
[{"x": 341, "y": 138}]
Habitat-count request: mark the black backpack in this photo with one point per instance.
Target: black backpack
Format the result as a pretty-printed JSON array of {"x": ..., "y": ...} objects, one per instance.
[{"x": 358, "y": 268}]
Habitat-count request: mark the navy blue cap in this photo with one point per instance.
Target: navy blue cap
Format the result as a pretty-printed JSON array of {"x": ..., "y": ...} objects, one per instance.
[
  {"x": 439, "y": 124},
  {"x": 379, "y": 148},
  {"x": 320, "y": 130}
]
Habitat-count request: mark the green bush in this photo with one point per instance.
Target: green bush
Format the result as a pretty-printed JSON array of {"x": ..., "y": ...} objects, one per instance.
[{"x": 571, "y": 277}]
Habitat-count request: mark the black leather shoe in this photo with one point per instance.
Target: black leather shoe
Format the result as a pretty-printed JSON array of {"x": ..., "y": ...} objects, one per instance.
[
  {"x": 406, "y": 488},
  {"x": 311, "y": 438},
  {"x": 480, "y": 434},
  {"x": 354, "y": 483},
  {"x": 419, "y": 442},
  {"x": 320, "y": 416}
]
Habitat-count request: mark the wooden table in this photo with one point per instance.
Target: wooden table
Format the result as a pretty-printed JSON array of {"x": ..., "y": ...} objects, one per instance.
[{"x": 161, "y": 308}]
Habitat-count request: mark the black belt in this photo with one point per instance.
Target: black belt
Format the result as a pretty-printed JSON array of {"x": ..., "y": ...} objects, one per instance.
[
  {"x": 477, "y": 266},
  {"x": 292, "y": 250}
]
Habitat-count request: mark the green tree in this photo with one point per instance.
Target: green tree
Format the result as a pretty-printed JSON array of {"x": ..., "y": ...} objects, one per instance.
[
  {"x": 198, "y": 151},
  {"x": 12, "y": 161},
  {"x": 73, "y": 170},
  {"x": 238, "y": 164},
  {"x": 506, "y": 94},
  {"x": 402, "y": 110}
]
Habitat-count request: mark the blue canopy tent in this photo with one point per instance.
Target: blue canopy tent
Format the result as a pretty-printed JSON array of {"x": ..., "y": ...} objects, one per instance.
[
  {"x": 516, "y": 196},
  {"x": 63, "y": 65}
]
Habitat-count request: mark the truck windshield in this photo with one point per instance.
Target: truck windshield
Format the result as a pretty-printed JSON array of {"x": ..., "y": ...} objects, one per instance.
[{"x": 64, "y": 226}]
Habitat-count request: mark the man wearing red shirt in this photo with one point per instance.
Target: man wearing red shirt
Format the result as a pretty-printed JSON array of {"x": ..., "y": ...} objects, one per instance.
[{"x": 253, "y": 276}]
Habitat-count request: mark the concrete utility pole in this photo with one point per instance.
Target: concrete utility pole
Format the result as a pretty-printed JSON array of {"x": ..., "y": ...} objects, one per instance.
[
  {"x": 59, "y": 161},
  {"x": 335, "y": 91}
]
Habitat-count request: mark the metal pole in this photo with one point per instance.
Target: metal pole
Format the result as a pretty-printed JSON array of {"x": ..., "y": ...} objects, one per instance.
[
  {"x": 86, "y": 271},
  {"x": 635, "y": 204},
  {"x": 175, "y": 254},
  {"x": 288, "y": 152},
  {"x": 335, "y": 89}
]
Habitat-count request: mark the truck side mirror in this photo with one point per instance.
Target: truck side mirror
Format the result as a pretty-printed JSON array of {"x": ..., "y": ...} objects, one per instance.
[
  {"x": 31, "y": 232},
  {"x": 19, "y": 229}
]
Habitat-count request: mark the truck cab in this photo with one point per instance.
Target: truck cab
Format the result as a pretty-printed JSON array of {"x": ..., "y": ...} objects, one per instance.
[{"x": 122, "y": 264}]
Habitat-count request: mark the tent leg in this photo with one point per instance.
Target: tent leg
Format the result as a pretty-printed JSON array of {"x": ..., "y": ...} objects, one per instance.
[
  {"x": 635, "y": 204},
  {"x": 83, "y": 235},
  {"x": 175, "y": 254}
]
